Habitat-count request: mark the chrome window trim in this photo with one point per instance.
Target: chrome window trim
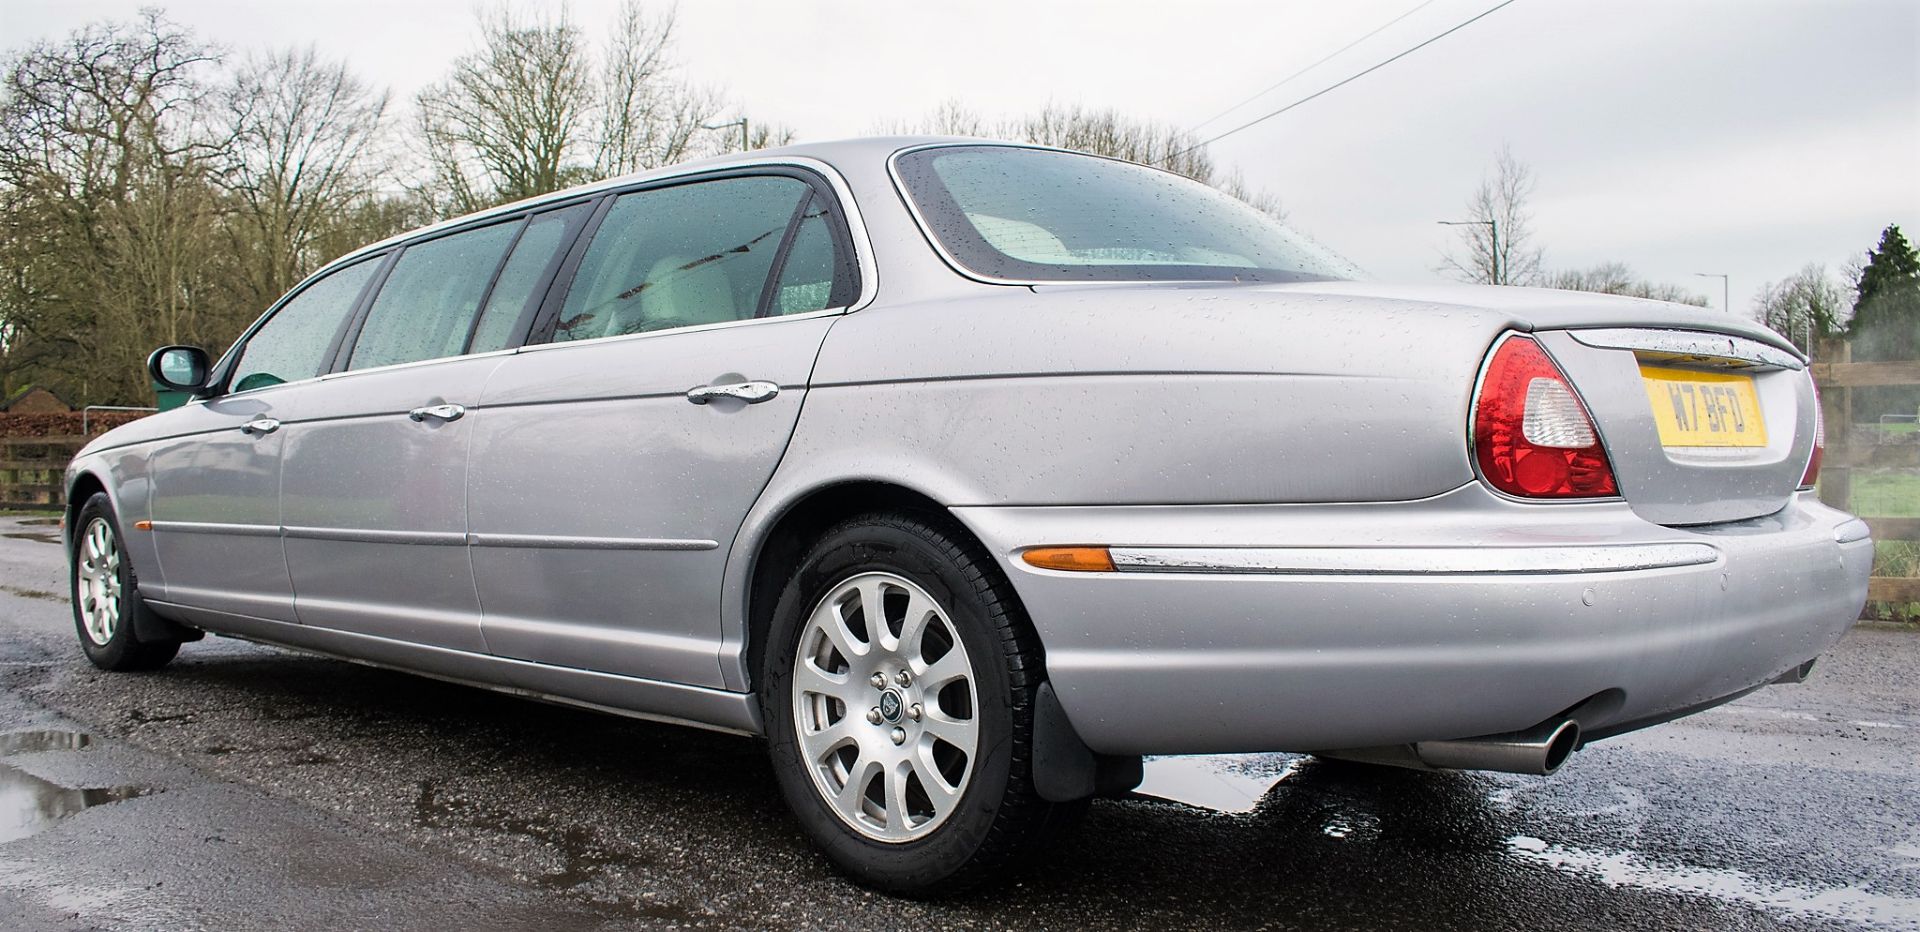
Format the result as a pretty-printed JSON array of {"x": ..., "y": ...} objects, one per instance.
[
  {"x": 699, "y": 328},
  {"x": 1685, "y": 345},
  {"x": 1412, "y": 561},
  {"x": 857, "y": 235}
]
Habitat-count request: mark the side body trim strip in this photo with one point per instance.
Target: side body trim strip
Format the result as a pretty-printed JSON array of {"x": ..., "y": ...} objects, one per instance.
[{"x": 1410, "y": 561}]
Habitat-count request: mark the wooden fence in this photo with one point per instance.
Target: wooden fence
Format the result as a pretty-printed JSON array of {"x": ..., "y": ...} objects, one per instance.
[
  {"x": 1849, "y": 448},
  {"x": 31, "y": 469}
]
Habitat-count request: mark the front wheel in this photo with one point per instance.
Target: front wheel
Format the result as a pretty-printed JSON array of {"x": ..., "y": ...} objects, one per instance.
[
  {"x": 899, "y": 678},
  {"x": 106, "y": 607}
]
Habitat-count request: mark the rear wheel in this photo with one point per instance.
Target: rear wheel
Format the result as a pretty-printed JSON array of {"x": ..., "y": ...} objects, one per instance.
[
  {"x": 106, "y": 606},
  {"x": 899, "y": 677}
]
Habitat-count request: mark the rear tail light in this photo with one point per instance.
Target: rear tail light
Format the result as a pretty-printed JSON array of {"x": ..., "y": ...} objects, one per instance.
[
  {"x": 1812, "y": 474},
  {"x": 1532, "y": 436}
]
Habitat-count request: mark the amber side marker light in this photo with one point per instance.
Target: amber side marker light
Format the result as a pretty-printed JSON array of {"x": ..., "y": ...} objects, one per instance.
[
  {"x": 1071, "y": 559},
  {"x": 143, "y": 525}
]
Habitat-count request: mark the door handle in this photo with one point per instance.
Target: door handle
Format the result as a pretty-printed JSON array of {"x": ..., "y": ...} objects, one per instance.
[
  {"x": 750, "y": 392},
  {"x": 438, "y": 412},
  {"x": 260, "y": 426}
]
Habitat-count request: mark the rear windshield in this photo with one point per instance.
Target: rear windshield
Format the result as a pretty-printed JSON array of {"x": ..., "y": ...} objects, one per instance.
[{"x": 1036, "y": 215}]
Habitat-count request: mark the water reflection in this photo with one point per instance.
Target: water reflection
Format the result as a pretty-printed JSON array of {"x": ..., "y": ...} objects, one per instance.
[{"x": 29, "y": 803}]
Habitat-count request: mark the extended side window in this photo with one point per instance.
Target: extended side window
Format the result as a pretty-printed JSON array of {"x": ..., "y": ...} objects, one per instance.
[
  {"x": 427, "y": 304},
  {"x": 682, "y": 256},
  {"x": 518, "y": 292},
  {"x": 296, "y": 341}
]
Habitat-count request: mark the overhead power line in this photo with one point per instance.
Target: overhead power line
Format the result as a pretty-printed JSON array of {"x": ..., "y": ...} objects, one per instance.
[
  {"x": 1329, "y": 57},
  {"x": 1330, "y": 88}
]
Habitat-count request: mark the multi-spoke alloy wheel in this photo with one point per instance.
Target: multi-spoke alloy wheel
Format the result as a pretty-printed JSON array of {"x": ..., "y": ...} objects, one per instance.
[
  {"x": 98, "y": 588},
  {"x": 883, "y": 703},
  {"x": 899, "y": 677},
  {"x": 108, "y": 612}
]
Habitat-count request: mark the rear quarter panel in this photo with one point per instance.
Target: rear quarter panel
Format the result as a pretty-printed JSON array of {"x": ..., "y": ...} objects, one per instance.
[{"x": 1116, "y": 396}]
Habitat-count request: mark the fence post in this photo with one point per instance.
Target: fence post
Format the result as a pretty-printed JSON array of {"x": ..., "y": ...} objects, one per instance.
[{"x": 1836, "y": 413}]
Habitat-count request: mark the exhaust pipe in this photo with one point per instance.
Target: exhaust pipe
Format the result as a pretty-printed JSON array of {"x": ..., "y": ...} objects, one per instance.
[{"x": 1537, "y": 750}]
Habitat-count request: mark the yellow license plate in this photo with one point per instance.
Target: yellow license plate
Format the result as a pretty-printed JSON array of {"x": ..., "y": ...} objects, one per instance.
[{"x": 1704, "y": 409}]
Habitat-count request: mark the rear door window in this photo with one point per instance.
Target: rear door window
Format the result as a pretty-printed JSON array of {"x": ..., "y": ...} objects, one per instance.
[
  {"x": 427, "y": 305},
  {"x": 682, "y": 256},
  {"x": 297, "y": 341},
  {"x": 815, "y": 273}
]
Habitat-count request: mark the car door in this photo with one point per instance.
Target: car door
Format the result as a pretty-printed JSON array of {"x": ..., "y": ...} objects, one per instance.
[
  {"x": 613, "y": 465},
  {"x": 216, "y": 484},
  {"x": 373, "y": 490}
]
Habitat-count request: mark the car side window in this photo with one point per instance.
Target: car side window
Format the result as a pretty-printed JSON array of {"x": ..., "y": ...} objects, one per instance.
[
  {"x": 813, "y": 277},
  {"x": 681, "y": 256},
  {"x": 539, "y": 249},
  {"x": 427, "y": 305},
  {"x": 295, "y": 343}
]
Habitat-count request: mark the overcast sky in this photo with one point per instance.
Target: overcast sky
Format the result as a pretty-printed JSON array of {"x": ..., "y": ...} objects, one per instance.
[{"x": 1741, "y": 136}]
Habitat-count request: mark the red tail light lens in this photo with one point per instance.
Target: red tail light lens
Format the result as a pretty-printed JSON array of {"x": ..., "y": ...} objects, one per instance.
[
  {"x": 1532, "y": 436},
  {"x": 1819, "y": 444}
]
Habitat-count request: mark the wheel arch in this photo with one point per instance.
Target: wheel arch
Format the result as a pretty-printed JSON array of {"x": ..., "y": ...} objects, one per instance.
[
  {"x": 774, "y": 553},
  {"x": 84, "y": 485}
]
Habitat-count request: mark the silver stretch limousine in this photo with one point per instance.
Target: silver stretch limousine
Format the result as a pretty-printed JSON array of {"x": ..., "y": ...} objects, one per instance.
[{"x": 968, "y": 473}]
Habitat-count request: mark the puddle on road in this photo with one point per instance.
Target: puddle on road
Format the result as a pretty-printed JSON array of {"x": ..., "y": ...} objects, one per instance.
[
  {"x": 1624, "y": 869},
  {"x": 28, "y": 804},
  {"x": 45, "y": 537},
  {"x": 1232, "y": 783}
]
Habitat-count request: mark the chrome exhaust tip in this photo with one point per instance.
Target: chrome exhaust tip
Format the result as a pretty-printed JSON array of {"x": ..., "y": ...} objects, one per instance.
[
  {"x": 1796, "y": 674},
  {"x": 1539, "y": 750}
]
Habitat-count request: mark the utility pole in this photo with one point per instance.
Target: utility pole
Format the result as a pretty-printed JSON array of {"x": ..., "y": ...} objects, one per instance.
[
  {"x": 1493, "y": 249},
  {"x": 742, "y": 123},
  {"x": 1725, "y": 304}
]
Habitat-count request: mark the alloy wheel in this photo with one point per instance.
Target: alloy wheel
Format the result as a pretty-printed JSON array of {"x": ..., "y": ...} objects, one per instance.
[
  {"x": 99, "y": 581},
  {"x": 885, "y": 706}
]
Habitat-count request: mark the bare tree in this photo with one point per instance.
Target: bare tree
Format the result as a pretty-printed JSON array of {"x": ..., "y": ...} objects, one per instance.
[
  {"x": 1617, "y": 278},
  {"x": 1497, "y": 237},
  {"x": 108, "y": 230},
  {"x": 539, "y": 107},
  {"x": 1804, "y": 306},
  {"x": 304, "y": 157}
]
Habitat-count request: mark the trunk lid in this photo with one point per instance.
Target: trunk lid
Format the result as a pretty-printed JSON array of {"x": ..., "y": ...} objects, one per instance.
[{"x": 1701, "y": 427}]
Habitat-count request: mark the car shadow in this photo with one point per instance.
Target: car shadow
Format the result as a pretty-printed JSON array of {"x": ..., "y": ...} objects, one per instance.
[{"x": 672, "y": 823}]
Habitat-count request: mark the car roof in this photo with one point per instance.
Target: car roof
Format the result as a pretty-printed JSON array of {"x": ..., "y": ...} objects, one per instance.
[{"x": 843, "y": 155}]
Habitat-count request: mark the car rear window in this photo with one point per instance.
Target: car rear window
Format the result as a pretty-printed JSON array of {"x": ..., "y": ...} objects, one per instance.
[{"x": 1021, "y": 214}]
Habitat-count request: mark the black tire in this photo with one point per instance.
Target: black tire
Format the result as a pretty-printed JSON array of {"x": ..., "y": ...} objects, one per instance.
[
  {"x": 122, "y": 651},
  {"x": 999, "y": 820}
]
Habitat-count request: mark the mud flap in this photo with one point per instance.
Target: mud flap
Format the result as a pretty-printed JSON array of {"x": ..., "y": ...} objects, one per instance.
[{"x": 1064, "y": 768}]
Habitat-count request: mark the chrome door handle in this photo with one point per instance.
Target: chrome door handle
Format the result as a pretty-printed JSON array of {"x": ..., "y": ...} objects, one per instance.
[
  {"x": 750, "y": 392},
  {"x": 260, "y": 425},
  {"x": 438, "y": 412}
]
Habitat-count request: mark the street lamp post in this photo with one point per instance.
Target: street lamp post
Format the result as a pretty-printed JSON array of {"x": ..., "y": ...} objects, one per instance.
[
  {"x": 1493, "y": 239},
  {"x": 742, "y": 123},
  {"x": 1725, "y": 305}
]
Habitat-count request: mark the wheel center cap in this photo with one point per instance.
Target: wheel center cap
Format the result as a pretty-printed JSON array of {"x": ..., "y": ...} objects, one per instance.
[{"x": 891, "y": 706}]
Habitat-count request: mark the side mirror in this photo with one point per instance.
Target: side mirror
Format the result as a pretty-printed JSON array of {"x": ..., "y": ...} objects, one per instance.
[{"x": 179, "y": 368}]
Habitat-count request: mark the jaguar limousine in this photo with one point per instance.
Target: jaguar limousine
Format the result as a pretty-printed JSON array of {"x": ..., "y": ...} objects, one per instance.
[{"x": 968, "y": 473}]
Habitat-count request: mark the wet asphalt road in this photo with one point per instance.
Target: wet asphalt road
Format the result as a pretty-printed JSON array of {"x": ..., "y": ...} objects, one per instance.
[{"x": 248, "y": 787}]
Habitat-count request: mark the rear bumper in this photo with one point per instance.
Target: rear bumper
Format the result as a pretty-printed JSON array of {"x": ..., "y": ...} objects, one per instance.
[{"x": 1265, "y": 628}]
